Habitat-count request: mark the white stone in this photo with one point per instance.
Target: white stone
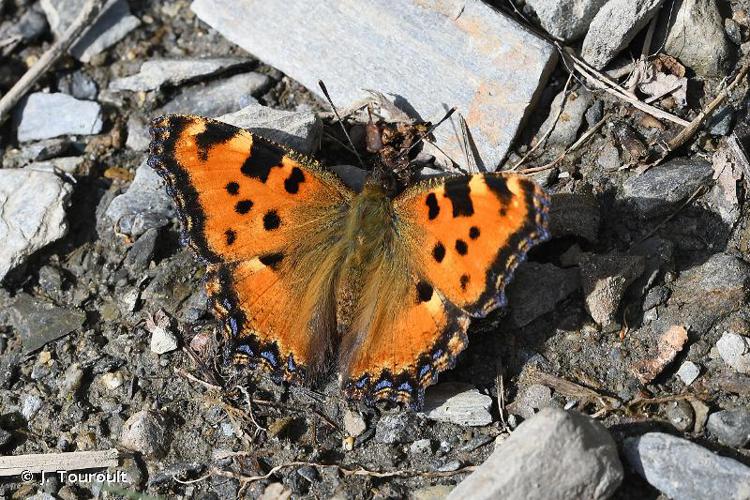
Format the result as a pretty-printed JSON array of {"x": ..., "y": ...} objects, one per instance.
[
  {"x": 30, "y": 406},
  {"x": 32, "y": 214},
  {"x": 71, "y": 116},
  {"x": 688, "y": 372},
  {"x": 163, "y": 341},
  {"x": 432, "y": 54},
  {"x": 735, "y": 351},
  {"x": 457, "y": 403},
  {"x": 112, "y": 380}
]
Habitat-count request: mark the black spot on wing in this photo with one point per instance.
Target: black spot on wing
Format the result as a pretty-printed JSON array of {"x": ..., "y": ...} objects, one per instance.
[
  {"x": 461, "y": 247},
  {"x": 497, "y": 185},
  {"x": 231, "y": 236},
  {"x": 438, "y": 252},
  {"x": 291, "y": 183},
  {"x": 464, "y": 280},
  {"x": 233, "y": 188},
  {"x": 433, "y": 209},
  {"x": 243, "y": 206},
  {"x": 271, "y": 220},
  {"x": 457, "y": 190},
  {"x": 424, "y": 292},
  {"x": 263, "y": 156},
  {"x": 215, "y": 133},
  {"x": 474, "y": 232},
  {"x": 272, "y": 260}
]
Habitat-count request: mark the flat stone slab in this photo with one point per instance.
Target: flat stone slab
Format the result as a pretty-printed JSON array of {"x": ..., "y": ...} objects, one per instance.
[
  {"x": 157, "y": 73},
  {"x": 458, "y": 403},
  {"x": 71, "y": 116},
  {"x": 32, "y": 214},
  {"x": 113, "y": 23},
  {"x": 431, "y": 54}
]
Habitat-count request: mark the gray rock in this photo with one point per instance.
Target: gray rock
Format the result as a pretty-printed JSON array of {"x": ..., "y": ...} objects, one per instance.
[
  {"x": 608, "y": 158},
  {"x": 731, "y": 427},
  {"x": 660, "y": 189},
  {"x": 734, "y": 349},
  {"x": 530, "y": 400},
  {"x": 457, "y": 403},
  {"x": 140, "y": 254},
  {"x": 614, "y": 27},
  {"x": 138, "y": 138},
  {"x": 111, "y": 26},
  {"x": 536, "y": 290},
  {"x": 574, "y": 214},
  {"x": 71, "y": 117},
  {"x": 605, "y": 279},
  {"x": 733, "y": 31},
  {"x": 157, "y": 73},
  {"x": 566, "y": 20},
  {"x": 683, "y": 470},
  {"x": 43, "y": 150},
  {"x": 397, "y": 428},
  {"x": 218, "y": 97},
  {"x": 28, "y": 28},
  {"x": 566, "y": 124},
  {"x": 300, "y": 130},
  {"x": 145, "y": 433},
  {"x": 711, "y": 54},
  {"x": 595, "y": 113},
  {"x": 40, "y": 322},
  {"x": 656, "y": 296},
  {"x": 30, "y": 406},
  {"x": 688, "y": 372},
  {"x": 32, "y": 214},
  {"x": 143, "y": 206},
  {"x": 721, "y": 122},
  {"x": 540, "y": 453},
  {"x": 507, "y": 63},
  {"x": 79, "y": 85},
  {"x": 723, "y": 281}
]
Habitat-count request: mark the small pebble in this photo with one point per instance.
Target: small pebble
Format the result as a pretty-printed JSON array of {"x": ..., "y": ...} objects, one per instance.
[
  {"x": 354, "y": 423},
  {"x": 30, "y": 406},
  {"x": 112, "y": 380},
  {"x": 681, "y": 415},
  {"x": 735, "y": 351},
  {"x": 688, "y": 372},
  {"x": 163, "y": 341},
  {"x": 145, "y": 433}
]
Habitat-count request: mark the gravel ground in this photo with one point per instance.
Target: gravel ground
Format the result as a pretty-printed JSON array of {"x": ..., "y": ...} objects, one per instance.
[{"x": 635, "y": 312}]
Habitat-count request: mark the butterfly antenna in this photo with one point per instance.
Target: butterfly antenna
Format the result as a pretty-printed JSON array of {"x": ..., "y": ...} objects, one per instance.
[
  {"x": 426, "y": 134},
  {"x": 338, "y": 117}
]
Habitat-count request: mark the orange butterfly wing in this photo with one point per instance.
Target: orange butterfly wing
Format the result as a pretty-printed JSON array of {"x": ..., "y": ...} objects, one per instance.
[
  {"x": 252, "y": 210},
  {"x": 465, "y": 236}
]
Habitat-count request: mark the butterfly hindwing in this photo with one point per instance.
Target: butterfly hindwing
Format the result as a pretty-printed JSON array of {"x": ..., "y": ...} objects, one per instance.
[{"x": 251, "y": 208}]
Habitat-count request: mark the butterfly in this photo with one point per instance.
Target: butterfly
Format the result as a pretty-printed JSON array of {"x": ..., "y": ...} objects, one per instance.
[{"x": 310, "y": 276}]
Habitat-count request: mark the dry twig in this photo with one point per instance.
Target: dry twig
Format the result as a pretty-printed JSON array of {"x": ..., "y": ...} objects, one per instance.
[
  {"x": 38, "y": 69},
  {"x": 344, "y": 470}
]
